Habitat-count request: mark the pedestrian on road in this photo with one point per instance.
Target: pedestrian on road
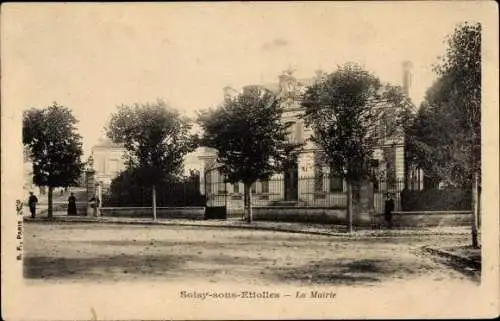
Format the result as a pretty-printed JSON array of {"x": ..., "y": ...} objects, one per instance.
[
  {"x": 32, "y": 204},
  {"x": 71, "y": 204},
  {"x": 389, "y": 208}
]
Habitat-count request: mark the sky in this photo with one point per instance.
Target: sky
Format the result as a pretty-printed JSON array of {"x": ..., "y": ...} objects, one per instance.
[{"x": 92, "y": 57}]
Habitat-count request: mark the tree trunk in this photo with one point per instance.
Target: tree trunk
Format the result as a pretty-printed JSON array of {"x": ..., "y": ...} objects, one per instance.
[
  {"x": 349, "y": 207},
  {"x": 50, "y": 208},
  {"x": 475, "y": 211},
  {"x": 154, "y": 202},
  {"x": 225, "y": 196},
  {"x": 479, "y": 206},
  {"x": 250, "y": 214},
  {"x": 247, "y": 202}
]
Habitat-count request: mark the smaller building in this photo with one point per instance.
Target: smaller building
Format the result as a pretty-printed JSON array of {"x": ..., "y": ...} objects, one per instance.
[{"x": 108, "y": 161}]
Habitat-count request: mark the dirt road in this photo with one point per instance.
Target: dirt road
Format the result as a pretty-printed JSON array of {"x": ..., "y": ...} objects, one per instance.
[{"x": 107, "y": 253}]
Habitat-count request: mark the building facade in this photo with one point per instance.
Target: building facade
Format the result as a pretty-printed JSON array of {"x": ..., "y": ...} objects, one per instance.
[
  {"x": 108, "y": 161},
  {"x": 307, "y": 181}
]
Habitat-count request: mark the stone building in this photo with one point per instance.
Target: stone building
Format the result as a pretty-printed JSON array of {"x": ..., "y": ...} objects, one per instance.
[
  {"x": 307, "y": 181},
  {"x": 108, "y": 161}
]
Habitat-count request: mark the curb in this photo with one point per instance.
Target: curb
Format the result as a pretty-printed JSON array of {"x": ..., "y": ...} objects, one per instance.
[
  {"x": 355, "y": 234},
  {"x": 247, "y": 227},
  {"x": 458, "y": 258}
]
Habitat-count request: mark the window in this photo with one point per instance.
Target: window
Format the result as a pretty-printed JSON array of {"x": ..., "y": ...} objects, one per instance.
[
  {"x": 221, "y": 186},
  {"x": 318, "y": 173},
  {"x": 298, "y": 132},
  {"x": 253, "y": 188},
  {"x": 102, "y": 165},
  {"x": 208, "y": 186},
  {"x": 355, "y": 194},
  {"x": 389, "y": 127},
  {"x": 265, "y": 186},
  {"x": 112, "y": 167},
  {"x": 291, "y": 132},
  {"x": 390, "y": 167},
  {"x": 336, "y": 184},
  {"x": 375, "y": 170},
  {"x": 236, "y": 187}
]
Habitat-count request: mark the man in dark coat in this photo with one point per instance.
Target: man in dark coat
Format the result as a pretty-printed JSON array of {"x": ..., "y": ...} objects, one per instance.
[
  {"x": 71, "y": 204},
  {"x": 32, "y": 204},
  {"x": 389, "y": 208}
]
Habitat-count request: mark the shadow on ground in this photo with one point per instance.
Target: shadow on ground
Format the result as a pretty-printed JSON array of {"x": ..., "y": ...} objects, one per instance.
[
  {"x": 164, "y": 266},
  {"x": 97, "y": 267},
  {"x": 347, "y": 271}
]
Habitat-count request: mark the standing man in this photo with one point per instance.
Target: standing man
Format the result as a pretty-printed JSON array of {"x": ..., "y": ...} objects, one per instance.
[
  {"x": 72, "y": 205},
  {"x": 32, "y": 204},
  {"x": 389, "y": 208}
]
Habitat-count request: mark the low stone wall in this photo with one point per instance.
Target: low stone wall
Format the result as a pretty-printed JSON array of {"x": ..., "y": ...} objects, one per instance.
[
  {"x": 427, "y": 219},
  {"x": 305, "y": 215},
  {"x": 338, "y": 216},
  {"x": 194, "y": 213},
  {"x": 81, "y": 208},
  {"x": 300, "y": 214}
]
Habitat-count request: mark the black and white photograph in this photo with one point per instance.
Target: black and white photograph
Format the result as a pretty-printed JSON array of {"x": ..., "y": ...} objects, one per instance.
[{"x": 250, "y": 160}]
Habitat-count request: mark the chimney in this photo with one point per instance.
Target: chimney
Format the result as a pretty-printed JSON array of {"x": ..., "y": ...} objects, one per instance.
[{"x": 407, "y": 76}]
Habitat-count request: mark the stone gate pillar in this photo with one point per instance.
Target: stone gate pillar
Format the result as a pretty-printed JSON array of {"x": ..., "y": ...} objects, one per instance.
[
  {"x": 91, "y": 188},
  {"x": 99, "y": 198},
  {"x": 363, "y": 203}
]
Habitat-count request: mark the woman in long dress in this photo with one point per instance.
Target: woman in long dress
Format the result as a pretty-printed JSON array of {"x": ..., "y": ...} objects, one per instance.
[{"x": 72, "y": 204}]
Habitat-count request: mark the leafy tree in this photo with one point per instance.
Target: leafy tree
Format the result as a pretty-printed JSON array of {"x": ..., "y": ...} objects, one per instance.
[
  {"x": 54, "y": 146},
  {"x": 250, "y": 138},
  {"x": 447, "y": 134},
  {"x": 156, "y": 138},
  {"x": 346, "y": 110},
  {"x": 435, "y": 139}
]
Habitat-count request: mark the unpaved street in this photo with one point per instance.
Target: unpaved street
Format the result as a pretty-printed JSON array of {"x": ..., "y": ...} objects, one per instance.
[{"x": 65, "y": 253}]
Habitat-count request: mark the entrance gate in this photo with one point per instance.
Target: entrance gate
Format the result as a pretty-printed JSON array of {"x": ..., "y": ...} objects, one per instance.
[{"x": 291, "y": 181}]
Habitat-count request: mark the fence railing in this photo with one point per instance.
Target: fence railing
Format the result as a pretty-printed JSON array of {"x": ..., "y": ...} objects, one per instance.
[
  {"x": 325, "y": 191},
  {"x": 175, "y": 194},
  {"x": 328, "y": 192},
  {"x": 322, "y": 191},
  {"x": 302, "y": 191}
]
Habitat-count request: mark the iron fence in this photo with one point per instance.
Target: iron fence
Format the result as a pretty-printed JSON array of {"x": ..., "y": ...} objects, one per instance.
[
  {"x": 174, "y": 194},
  {"x": 322, "y": 191},
  {"x": 325, "y": 191}
]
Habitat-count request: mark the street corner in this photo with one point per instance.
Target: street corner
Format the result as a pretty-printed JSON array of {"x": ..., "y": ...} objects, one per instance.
[{"x": 463, "y": 258}]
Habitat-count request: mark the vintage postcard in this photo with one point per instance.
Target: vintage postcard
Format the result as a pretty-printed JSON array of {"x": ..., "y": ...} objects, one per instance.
[{"x": 250, "y": 160}]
